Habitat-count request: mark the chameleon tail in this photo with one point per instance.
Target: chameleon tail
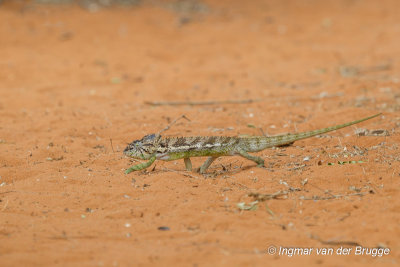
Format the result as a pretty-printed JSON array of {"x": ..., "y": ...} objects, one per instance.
[{"x": 280, "y": 140}]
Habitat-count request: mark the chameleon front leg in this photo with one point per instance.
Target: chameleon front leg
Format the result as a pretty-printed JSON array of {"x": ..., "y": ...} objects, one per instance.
[
  {"x": 258, "y": 160},
  {"x": 207, "y": 164},
  {"x": 141, "y": 166},
  {"x": 188, "y": 164}
]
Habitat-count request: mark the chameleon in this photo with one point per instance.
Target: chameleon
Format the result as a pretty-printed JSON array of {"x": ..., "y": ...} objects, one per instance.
[{"x": 154, "y": 146}]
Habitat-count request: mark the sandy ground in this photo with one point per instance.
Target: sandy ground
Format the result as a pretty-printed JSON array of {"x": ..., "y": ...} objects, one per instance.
[{"x": 72, "y": 80}]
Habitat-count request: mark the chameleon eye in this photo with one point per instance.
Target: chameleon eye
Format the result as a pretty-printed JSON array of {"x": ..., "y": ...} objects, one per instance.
[
  {"x": 147, "y": 144},
  {"x": 149, "y": 137}
]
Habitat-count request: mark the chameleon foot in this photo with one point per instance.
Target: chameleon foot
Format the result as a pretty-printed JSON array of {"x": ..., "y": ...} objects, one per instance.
[
  {"x": 141, "y": 166},
  {"x": 258, "y": 160},
  {"x": 207, "y": 164},
  {"x": 188, "y": 164}
]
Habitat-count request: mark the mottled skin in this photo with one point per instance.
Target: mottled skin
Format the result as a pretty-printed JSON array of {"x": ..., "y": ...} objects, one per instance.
[{"x": 153, "y": 146}]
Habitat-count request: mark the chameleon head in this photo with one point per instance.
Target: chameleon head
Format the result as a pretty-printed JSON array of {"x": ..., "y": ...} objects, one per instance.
[{"x": 143, "y": 148}]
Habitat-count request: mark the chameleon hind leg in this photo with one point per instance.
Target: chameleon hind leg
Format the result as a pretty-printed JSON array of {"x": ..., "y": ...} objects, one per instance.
[
  {"x": 141, "y": 166},
  {"x": 188, "y": 164},
  {"x": 258, "y": 160},
  {"x": 207, "y": 164}
]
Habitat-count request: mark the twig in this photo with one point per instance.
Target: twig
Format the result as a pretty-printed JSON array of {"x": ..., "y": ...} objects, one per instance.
[
  {"x": 296, "y": 168},
  {"x": 335, "y": 243},
  {"x": 173, "y": 122},
  {"x": 200, "y": 103},
  {"x": 112, "y": 146},
  {"x": 181, "y": 172},
  {"x": 263, "y": 197},
  {"x": 332, "y": 196}
]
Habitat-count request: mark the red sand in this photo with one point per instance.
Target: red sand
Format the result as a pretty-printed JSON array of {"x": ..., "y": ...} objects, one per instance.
[{"x": 72, "y": 80}]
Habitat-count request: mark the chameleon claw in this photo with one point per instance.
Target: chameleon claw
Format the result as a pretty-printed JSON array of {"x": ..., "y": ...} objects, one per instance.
[
  {"x": 207, "y": 164},
  {"x": 261, "y": 165}
]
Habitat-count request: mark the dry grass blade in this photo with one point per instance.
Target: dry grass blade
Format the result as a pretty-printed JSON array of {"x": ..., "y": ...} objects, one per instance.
[
  {"x": 335, "y": 242},
  {"x": 200, "y": 103},
  {"x": 263, "y": 197}
]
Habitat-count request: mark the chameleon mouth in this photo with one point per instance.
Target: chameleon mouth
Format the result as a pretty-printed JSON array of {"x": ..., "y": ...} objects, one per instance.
[{"x": 127, "y": 151}]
